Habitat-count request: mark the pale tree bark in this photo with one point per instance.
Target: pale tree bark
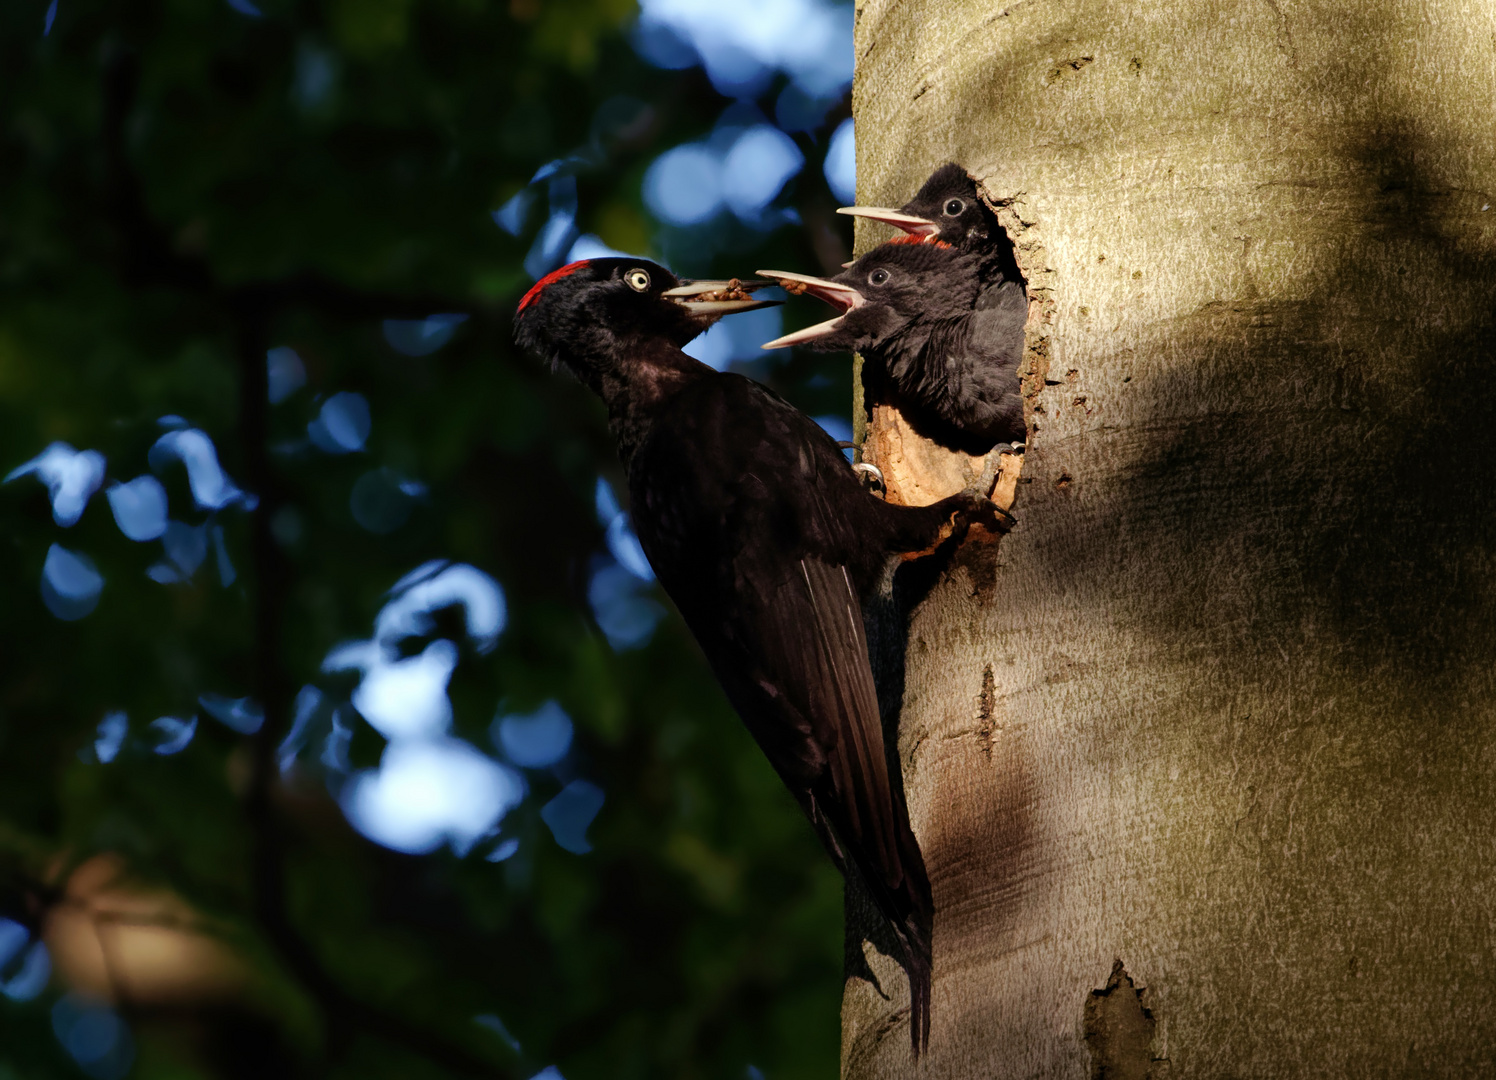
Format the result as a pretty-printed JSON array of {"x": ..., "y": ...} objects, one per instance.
[{"x": 1220, "y": 707}]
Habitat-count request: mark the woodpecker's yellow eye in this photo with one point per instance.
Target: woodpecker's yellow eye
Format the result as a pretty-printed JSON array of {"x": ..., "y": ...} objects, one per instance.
[{"x": 638, "y": 280}]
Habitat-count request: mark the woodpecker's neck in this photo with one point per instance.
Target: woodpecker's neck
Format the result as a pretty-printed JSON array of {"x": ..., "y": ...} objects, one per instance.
[{"x": 647, "y": 374}]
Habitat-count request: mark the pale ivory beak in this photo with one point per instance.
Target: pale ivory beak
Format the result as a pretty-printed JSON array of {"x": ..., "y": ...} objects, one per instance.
[
  {"x": 910, "y": 223},
  {"x": 833, "y": 292},
  {"x": 685, "y": 295}
]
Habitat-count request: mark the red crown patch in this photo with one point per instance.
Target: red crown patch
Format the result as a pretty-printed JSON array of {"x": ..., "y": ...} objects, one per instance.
[{"x": 554, "y": 276}]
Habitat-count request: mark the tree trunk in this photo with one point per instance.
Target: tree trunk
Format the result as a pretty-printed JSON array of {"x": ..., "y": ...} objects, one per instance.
[{"x": 1201, "y": 757}]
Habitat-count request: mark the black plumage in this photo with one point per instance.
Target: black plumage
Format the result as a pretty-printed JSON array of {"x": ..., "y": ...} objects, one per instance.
[
  {"x": 938, "y": 340},
  {"x": 767, "y": 543}
]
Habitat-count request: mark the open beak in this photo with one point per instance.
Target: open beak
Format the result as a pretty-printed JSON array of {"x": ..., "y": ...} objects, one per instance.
[
  {"x": 910, "y": 223},
  {"x": 712, "y": 299},
  {"x": 833, "y": 292}
]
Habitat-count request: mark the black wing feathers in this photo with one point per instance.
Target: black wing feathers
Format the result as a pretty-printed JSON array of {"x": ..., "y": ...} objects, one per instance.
[{"x": 769, "y": 584}]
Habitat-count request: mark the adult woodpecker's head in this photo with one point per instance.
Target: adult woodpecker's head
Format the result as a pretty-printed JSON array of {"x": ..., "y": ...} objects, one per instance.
[
  {"x": 593, "y": 316},
  {"x": 884, "y": 293},
  {"x": 946, "y": 208}
]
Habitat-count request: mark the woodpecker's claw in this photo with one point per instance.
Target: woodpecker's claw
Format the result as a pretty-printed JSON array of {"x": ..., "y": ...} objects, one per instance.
[
  {"x": 981, "y": 508},
  {"x": 872, "y": 474},
  {"x": 980, "y": 493}
]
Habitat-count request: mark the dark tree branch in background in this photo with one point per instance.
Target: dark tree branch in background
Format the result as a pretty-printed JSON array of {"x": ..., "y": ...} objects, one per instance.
[{"x": 148, "y": 258}]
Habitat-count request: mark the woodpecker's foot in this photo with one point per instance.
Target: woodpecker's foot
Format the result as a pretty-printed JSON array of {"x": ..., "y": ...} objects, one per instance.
[
  {"x": 951, "y": 519},
  {"x": 975, "y": 507},
  {"x": 992, "y": 464}
]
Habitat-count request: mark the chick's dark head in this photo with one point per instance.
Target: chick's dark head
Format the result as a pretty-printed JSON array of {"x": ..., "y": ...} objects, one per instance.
[
  {"x": 947, "y": 207},
  {"x": 894, "y": 286},
  {"x": 949, "y": 199},
  {"x": 589, "y": 316}
]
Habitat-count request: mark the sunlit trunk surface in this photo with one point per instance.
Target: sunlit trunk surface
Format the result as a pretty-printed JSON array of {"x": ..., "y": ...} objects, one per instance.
[{"x": 1220, "y": 708}]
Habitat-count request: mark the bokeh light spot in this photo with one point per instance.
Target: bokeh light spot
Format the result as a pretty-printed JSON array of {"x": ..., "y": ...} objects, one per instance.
[
  {"x": 211, "y": 487},
  {"x": 738, "y": 338},
  {"x": 173, "y": 735},
  {"x": 503, "y": 850},
  {"x": 511, "y": 217},
  {"x": 741, "y": 45},
  {"x": 109, "y": 736},
  {"x": 243, "y": 715},
  {"x": 139, "y": 507},
  {"x": 759, "y": 164},
  {"x": 343, "y": 424},
  {"x": 684, "y": 185},
  {"x": 186, "y": 546},
  {"x": 285, "y": 373},
  {"x": 438, "y": 584},
  {"x": 32, "y": 977},
  {"x": 316, "y": 76},
  {"x": 570, "y": 813},
  {"x": 26, "y": 979},
  {"x": 841, "y": 163},
  {"x": 421, "y": 337},
  {"x": 589, "y": 246},
  {"x": 97, "y": 1039},
  {"x": 71, "y": 477},
  {"x": 535, "y": 740},
  {"x": 71, "y": 584},
  {"x": 625, "y": 612},
  {"x": 408, "y": 698},
  {"x": 426, "y": 792},
  {"x": 304, "y": 713}
]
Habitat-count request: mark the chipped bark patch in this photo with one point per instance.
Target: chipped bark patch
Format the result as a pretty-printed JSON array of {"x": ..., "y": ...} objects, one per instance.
[
  {"x": 986, "y": 707},
  {"x": 1069, "y": 67},
  {"x": 1119, "y": 1031}
]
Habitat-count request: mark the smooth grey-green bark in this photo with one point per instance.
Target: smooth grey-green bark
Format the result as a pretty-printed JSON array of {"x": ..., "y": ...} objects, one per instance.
[{"x": 1221, "y": 706}]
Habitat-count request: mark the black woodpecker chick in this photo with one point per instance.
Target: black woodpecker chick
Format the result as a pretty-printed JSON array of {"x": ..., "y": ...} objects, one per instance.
[
  {"x": 938, "y": 342},
  {"x": 948, "y": 207},
  {"x": 767, "y": 543}
]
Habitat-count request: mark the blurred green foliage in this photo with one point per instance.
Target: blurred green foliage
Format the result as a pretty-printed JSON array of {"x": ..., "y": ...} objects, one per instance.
[{"x": 182, "y": 186}]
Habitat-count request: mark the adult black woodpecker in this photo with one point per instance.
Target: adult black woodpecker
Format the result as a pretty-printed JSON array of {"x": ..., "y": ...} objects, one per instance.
[
  {"x": 938, "y": 341},
  {"x": 767, "y": 543}
]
